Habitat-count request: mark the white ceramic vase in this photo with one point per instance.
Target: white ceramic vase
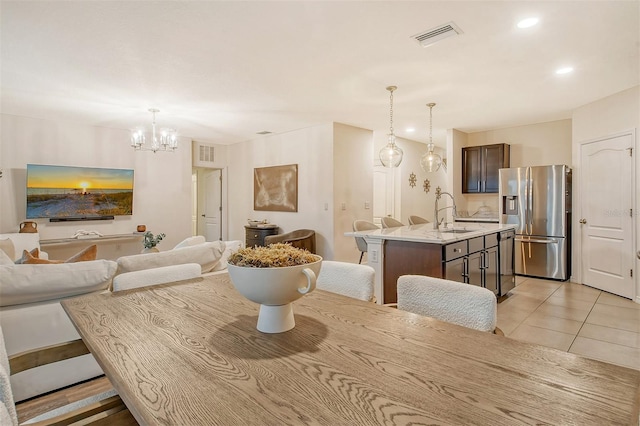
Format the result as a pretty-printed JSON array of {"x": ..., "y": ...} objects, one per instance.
[{"x": 274, "y": 289}]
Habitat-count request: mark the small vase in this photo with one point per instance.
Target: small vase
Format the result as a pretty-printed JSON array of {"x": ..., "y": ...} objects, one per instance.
[{"x": 150, "y": 250}]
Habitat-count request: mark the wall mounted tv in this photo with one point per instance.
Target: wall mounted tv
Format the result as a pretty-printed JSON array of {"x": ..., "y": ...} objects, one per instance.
[{"x": 65, "y": 193}]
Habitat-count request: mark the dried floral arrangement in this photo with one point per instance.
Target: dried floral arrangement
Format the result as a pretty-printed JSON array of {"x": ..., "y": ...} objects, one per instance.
[{"x": 272, "y": 256}]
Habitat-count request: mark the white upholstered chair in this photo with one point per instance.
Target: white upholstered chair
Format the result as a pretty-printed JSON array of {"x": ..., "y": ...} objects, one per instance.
[
  {"x": 463, "y": 304},
  {"x": 389, "y": 222},
  {"x": 348, "y": 279},
  {"x": 153, "y": 276},
  {"x": 363, "y": 225},
  {"x": 416, "y": 220}
]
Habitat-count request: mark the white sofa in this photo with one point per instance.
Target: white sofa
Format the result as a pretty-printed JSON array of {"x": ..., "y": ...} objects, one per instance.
[{"x": 32, "y": 317}]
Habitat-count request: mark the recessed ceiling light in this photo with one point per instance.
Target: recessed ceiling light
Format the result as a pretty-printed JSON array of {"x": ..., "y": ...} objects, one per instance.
[
  {"x": 564, "y": 70},
  {"x": 526, "y": 23},
  {"x": 410, "y": 130}
]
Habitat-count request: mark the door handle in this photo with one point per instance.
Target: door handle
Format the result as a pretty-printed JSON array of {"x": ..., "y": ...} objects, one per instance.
[
  {"x": 202, "y": 215},
  {"x": 583, "y": 221}
]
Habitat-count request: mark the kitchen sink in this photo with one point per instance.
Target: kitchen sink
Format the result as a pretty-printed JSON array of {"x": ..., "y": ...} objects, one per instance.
[{"x": 457, "y": 231}]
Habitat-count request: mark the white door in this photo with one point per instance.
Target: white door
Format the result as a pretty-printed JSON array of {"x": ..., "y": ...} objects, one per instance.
[
  {"x": 211, "y": 206},
  {"x": 383, "y": 193},
  {"x": 606, "y": 215}
]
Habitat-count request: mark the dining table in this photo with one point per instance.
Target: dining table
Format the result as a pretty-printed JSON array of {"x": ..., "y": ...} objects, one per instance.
[{"x": 188, "y": 353}]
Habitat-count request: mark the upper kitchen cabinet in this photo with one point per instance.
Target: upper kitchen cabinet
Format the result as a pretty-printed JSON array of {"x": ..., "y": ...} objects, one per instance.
[{"x": 480, "y": 165}]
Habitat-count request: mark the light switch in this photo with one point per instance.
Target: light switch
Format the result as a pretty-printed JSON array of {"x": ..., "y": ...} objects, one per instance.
[
  {"x": 326, "y": 206},
  {"x": 367, "y": 205},
  {"x": 343, "y": 206}
]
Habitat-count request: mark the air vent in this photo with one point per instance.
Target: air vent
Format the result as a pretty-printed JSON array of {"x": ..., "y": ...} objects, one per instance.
[
  {"x": 264, "y": 132},
  {"x": 429, "y": 37},
  {"x": 205, "y": 153}
]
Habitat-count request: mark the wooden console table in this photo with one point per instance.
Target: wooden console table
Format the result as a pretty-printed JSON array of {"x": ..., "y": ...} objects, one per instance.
[{"x": 109, "y": 246}]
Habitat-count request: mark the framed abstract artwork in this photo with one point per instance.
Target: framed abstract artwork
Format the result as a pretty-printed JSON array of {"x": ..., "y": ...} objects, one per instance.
[{"x": 276, "y": 188}]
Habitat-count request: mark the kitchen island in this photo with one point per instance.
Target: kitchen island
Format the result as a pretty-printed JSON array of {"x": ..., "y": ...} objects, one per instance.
[{"x": 468, "y": 253}]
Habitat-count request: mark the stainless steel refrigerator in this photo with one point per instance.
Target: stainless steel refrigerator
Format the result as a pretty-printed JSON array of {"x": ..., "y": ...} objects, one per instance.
[{"x": 538, "y": 200}]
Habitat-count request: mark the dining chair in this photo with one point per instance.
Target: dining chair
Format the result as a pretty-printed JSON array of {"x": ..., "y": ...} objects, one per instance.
[
  {"x": 363, "y": 225},
  {"x": 457, "y": 303},
  {"x": 153, "y": 276},
  {"x": 416, "y": 220},
  {"x": 105, "y": 408},
  {"x": 389, "y": 222},
  {"x": 347, "y": 279}
]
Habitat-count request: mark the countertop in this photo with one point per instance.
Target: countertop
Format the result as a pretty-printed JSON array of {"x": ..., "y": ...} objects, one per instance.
[
  {"x": 424, "y": 233},
  {"x": 477, "y": 219}
]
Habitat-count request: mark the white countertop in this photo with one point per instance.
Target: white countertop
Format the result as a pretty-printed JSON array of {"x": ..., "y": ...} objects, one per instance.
[{"x": 424, "y": 233}]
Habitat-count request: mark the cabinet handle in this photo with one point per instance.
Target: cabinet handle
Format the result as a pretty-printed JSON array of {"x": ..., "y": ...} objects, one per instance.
[
  {"x": 255, "y": 236},
  {"x": 457, "y": 250}
]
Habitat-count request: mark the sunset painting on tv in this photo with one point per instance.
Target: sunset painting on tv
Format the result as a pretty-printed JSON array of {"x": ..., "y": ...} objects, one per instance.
[{"x": 68, "y": 192}]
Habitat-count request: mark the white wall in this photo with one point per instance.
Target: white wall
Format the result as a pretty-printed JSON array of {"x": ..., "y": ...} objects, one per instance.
[
  {"x": 613, "y": 114},
  {"x": 162, "y": 187},
  {"x": 312, "y": 150},
  {"x": 413, "y": 200},
  {"x": 352, "y": 186}
]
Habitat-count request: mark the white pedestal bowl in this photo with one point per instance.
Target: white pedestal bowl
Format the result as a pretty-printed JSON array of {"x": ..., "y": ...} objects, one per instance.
[{"x": 274, "y": 289}]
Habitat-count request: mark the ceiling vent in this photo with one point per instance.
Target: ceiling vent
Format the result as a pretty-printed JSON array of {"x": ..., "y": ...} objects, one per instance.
[
  {"x": 203, "y": 155},
  {"x": 429, "y": 37},
  {"x": 264, "y": 132}
]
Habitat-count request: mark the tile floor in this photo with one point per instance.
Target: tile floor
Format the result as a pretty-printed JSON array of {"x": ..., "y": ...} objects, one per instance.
[{"x": 574, "y": 318}]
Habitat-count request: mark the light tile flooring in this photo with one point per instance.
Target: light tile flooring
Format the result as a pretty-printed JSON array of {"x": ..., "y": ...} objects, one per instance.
[{"x": 573, "y": 318}]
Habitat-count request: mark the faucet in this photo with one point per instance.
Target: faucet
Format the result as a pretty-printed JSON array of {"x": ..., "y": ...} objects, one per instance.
[{"x": 439, "y": 194}]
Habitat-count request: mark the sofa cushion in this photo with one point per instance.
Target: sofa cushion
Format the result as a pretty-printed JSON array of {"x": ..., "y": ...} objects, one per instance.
[
  {"x": 85, "y": 255},
  {"x": 23, "y": 241},
  {"x": 32, "y": 283},
  {"x": 32, "y": 256},
  {"x": 5, "y": 259},
  {"x": 207, "y": 255},
  {"x": 229, "y": 248},
  {"x": 191, "y": 241},
  {"x": 6, "y": 245}
]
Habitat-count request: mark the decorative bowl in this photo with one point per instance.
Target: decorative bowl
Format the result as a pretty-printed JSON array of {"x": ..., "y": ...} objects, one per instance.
[
  {"x": 274, "y": 289},
  {"x": 256, "y": 222}
]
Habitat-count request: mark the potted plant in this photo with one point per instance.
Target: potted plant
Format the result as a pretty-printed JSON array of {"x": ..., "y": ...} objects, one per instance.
[
  {"x": 150, "y": 242},
  {"x": 274, "y": 276}
]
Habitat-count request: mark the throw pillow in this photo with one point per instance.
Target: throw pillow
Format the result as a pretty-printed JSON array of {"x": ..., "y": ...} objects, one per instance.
[
  {"x": 4, "y": 259},
  {"x": 31, "y": 258},
  {"x": 89, "y": 253},
  {"x": 6, "y": 245}
]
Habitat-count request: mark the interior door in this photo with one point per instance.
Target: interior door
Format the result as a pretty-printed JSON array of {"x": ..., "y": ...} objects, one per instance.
[
  {"x": 606, "y": 216},
  {"x": 211, "y": 206},
  {"x": 383, "y": 193}
]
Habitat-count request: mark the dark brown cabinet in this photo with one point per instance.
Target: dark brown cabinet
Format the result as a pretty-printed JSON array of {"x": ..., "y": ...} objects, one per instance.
[
  {"x": 255, "y": 235},
  {"x": 480, "y": 165}
]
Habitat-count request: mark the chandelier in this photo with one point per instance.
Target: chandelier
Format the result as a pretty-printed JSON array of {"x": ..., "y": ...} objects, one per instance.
[
  {"x": 164, "y": 140},
  {"x": 391, "y": 154},
  {"x": 430, "y": 161}
]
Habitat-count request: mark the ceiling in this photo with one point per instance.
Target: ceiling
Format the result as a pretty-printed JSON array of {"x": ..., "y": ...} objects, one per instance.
[{"x": 222, "y": 71}]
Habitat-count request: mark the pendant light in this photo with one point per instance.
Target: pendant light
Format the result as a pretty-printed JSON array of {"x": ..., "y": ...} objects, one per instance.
[
  {"x": 391, "y": 154},
  {"x": 430, "y": 161}
]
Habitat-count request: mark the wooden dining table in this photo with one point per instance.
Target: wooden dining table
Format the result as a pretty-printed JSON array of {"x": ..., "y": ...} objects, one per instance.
[{"x": 188, "y": 353}]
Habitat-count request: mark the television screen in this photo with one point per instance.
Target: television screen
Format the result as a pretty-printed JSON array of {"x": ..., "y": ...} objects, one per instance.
[{"x": 64, "y": 192}]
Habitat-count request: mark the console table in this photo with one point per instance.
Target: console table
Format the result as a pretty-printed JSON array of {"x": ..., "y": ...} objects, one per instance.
[
  {"x": 109, "y": 246},
  {"x": 255, "y": 234}
]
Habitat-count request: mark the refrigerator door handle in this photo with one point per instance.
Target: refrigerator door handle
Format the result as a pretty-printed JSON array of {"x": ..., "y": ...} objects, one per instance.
[
  {"x": 537, "y": 240},
  {"x": 530, "y": 201}
]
